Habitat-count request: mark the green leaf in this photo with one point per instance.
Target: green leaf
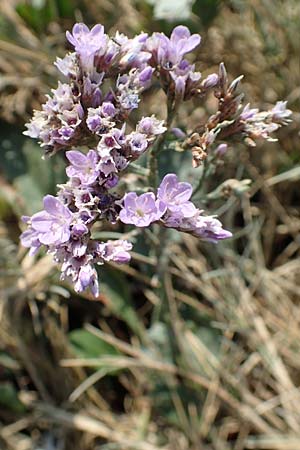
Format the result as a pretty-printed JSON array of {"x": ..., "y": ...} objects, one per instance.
[
  {"x": 9, "y": 398},
  {"x": 87, "y": 345}
]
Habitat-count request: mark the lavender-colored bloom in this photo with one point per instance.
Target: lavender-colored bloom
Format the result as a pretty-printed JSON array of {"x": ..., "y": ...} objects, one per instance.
[
  {"x": 248, "y": 113},
  {"x": 132, "y": 51},
  {"x": 280, "y": 113},
  {"x": 221, "y": 149},
  {"x": 99, "y": 120},
  {"x": 111, "y": 181},
  {"x": 210, "y": 81},
  {"x": 176, "y": 195},
  {"x": 87, "y": 43},
  {"x": 179, "y": 133},
  {"x": 108, "y": 109},
  {"x": 83, "y": 166},
  {"x": 87, "y": 278},
  {"x": 68, "y": 65},
  {"x": 210, "y": 229},
  {"x": 180, "y": 84},
  {"x": 116, "y": 251},
  {"x": 106, "y": 163},
  {"x": 260, "y": 129},
  {"x": 169, "y": 52},
  {"x": 121, "y": 162},
  {"x": 30, "y": 237},
  {"x": 129, "y": 100},
  {"x": 207, "y": 228},
  {"x": 145, "y": 76},
  {"x": 138, "y": 143},
  {"x": 37, "y": 124},
  {"x": 57, "y": 124},
  {"x": 182, "y": 39},
  {"x": 151, "y": 126},
  {"x": 94, "y": 121},
  {"x": 52, "y": 224},
  {"x": 141, "y": 210}
]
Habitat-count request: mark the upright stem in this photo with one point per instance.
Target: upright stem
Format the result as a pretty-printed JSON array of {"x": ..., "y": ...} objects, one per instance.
[{"x": 202, "y": 178}]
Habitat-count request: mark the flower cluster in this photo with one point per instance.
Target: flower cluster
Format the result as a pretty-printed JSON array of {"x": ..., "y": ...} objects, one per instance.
[
  {"x": 234, "y": 120},
  {"x": 88, "y": 118},
  {"x": 173, "y": 209}
]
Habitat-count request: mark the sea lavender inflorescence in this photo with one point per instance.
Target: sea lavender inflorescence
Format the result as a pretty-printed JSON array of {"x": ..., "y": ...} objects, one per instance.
[{"x": 87, "y": 118}]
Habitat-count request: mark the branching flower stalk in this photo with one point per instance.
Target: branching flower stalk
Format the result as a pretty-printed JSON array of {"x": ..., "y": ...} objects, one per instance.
[{"x": 89, "y": 118}]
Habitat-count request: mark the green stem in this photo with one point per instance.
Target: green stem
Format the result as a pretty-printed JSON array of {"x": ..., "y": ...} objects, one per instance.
[{"x": 202, "y": 178}]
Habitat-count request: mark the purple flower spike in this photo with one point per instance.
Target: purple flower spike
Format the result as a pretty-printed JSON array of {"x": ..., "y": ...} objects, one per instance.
[
  {"x": 141, "y": 211},
  {"x": 175, "y": 195},
  {"x": 83, "y": 166},
  {"x": 53, "y": 224}
]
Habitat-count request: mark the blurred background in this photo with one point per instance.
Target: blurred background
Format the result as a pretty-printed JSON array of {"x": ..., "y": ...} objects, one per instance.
[{"x": 207, "y": 358}]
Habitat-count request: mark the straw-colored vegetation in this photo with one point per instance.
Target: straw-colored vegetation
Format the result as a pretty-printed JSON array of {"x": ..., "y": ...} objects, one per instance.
[{"x": 200, "y": 351}]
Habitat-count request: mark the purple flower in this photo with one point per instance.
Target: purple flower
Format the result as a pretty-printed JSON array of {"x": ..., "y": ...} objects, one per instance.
[
  {"x": 52, "y": 224},
  {"x": 145, "y": 77},
  {"x": 132, "y": 50},
  {"x": 88, "y": 42},
  {"x": 280, "y": 113},
  {"x": 79, "y": 239},
  {"x": 141, "y": 210},
  {"x": 30, "y": 237},
  {"x": 169, "y": 52},
  {"x": 248, "y": 113},
  {"x": 138, "y": 143},
  {"x": 179, "y": 133},
  {"x": 210, "y": 81},
  {"x": 83, "y": 166},
  {"x": 151, "y": 126},
  {"x": 207, "y": 228},
  {"x": 87, "y": 278},
  {"x": 129, "y": 100},
  {"x": 67, "y": 65},
  {"x": 176, "y": 195},
  {"x": 221, "y": 149},
  {"x": 116, "y": 251},
  {"x": 57, "y": 124},
  {"x": 210, "y": 229},
  {"x": 99, "y": 119},
  {"x": 106, "y": 163},
  {"x": 94, "y": 121},
  {"x": 180, "y": 84},
  {"x": 107, "y": 109}
]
